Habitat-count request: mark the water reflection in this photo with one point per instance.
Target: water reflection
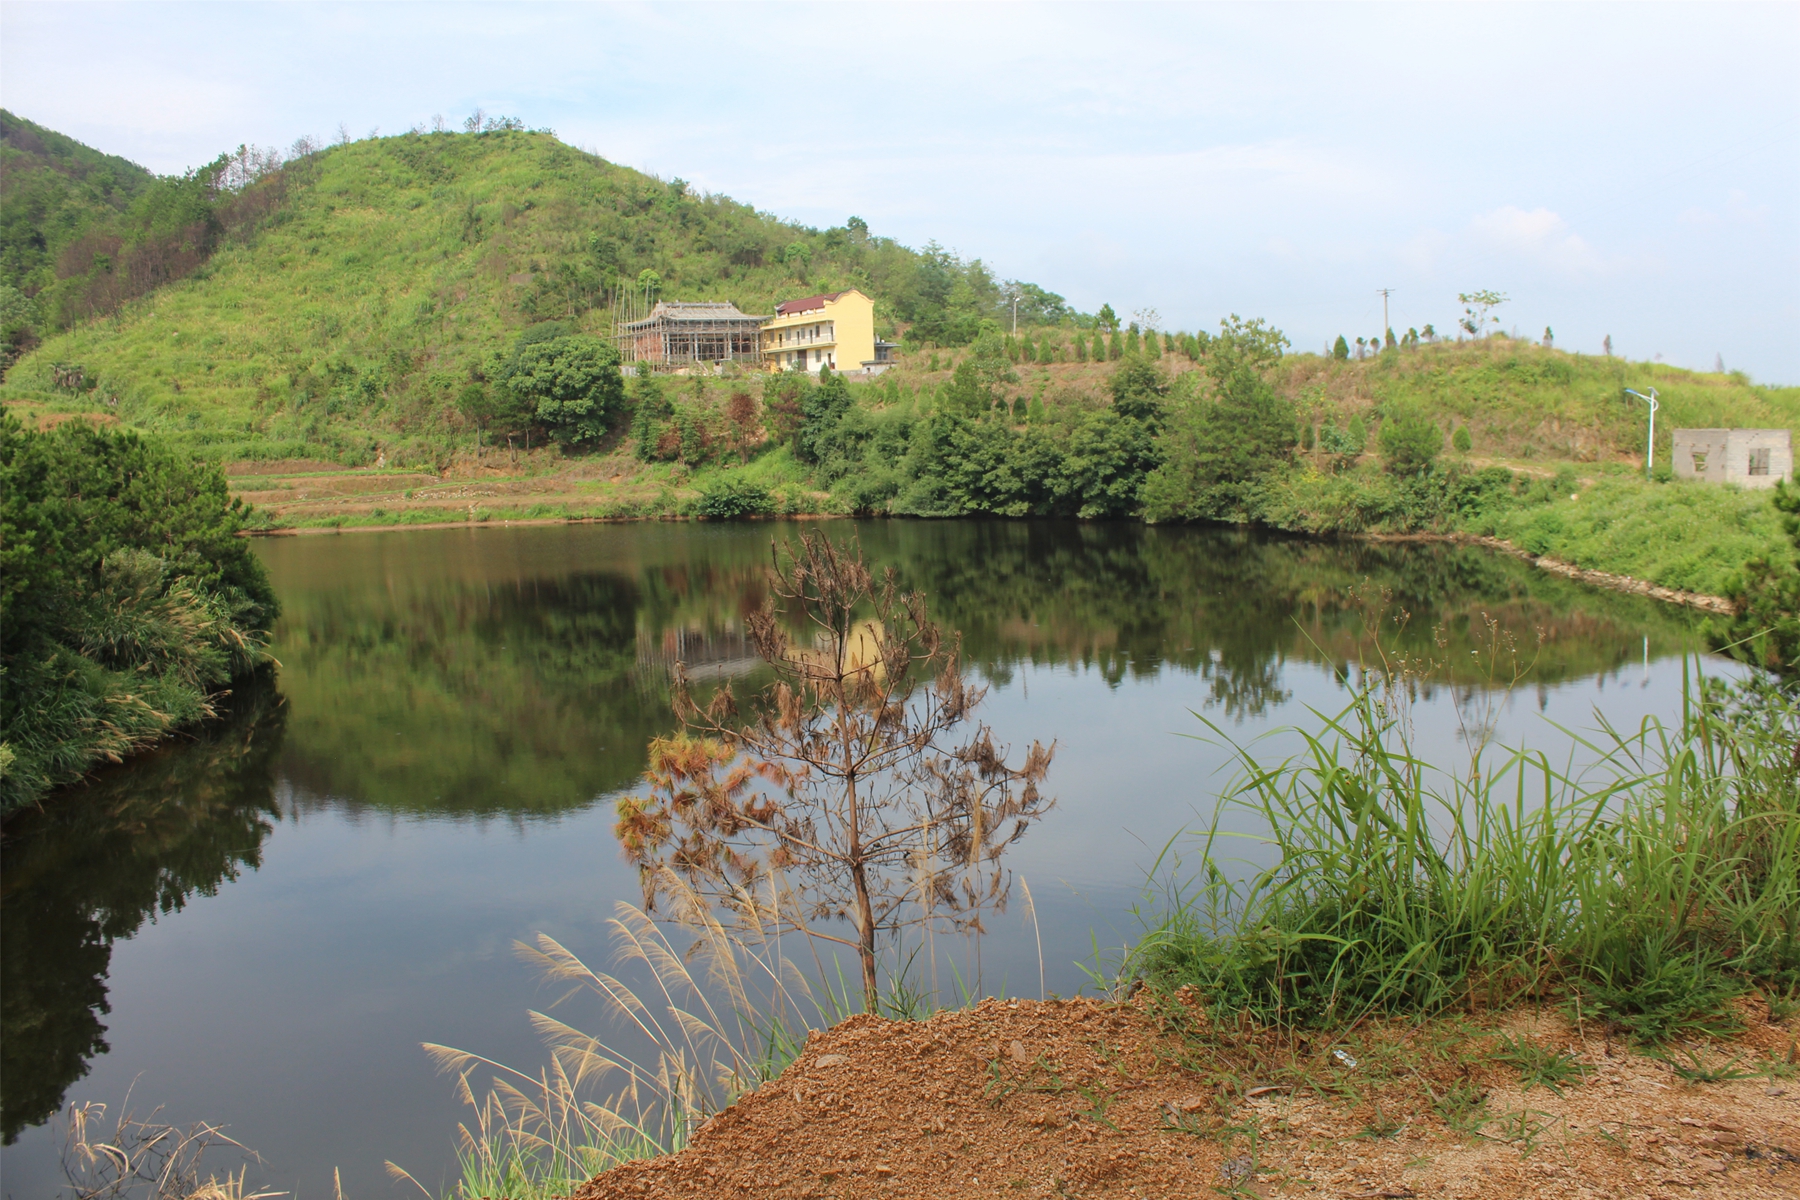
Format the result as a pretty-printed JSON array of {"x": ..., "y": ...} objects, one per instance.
[
  {"x": 522, "y": 672},
  {"x": 97, "y": 862}
]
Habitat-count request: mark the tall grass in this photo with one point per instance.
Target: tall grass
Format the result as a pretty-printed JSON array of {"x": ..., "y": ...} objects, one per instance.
[
  {"x": 1645, "y": 890},
  {"x": 721, "y": 1014}
]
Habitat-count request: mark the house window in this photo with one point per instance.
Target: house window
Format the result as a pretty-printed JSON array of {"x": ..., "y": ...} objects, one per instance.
[
  {"x": 1699, "y": 462},
  {"x": 1759, "y": 461}
]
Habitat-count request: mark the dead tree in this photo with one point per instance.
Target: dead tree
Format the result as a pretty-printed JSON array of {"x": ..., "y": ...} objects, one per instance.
[{"x": 844, "y": 791}]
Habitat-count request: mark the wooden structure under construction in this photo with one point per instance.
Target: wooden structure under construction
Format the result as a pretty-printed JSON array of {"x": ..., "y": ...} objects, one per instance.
[{"x": 676, "y": 334}]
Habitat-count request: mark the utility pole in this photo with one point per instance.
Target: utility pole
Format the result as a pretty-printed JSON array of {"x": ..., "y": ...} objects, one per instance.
[
  {"x": 1650, "y": 443},
  {"x": 1385, "y": 323},
  {"x": 1015, "y": 303}
]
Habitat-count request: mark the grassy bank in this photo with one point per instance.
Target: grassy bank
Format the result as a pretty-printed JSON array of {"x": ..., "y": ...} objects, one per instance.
[{"x": 1645, "y": 892}]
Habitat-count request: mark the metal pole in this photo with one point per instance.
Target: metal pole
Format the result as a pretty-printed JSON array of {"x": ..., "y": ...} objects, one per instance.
[{"x": 1649, "y": 446}]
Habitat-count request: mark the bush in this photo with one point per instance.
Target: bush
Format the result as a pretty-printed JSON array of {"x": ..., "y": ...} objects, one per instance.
[
  {"x": 1460, "y": 441},
  {"x": 126, "y": 596},
  {"x": 1409, "y": 442},
  {"x": 732, "y": 498}
]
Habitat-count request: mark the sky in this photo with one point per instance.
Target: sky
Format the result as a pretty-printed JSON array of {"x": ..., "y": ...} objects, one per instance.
[{"x": 1622, "y": 170}]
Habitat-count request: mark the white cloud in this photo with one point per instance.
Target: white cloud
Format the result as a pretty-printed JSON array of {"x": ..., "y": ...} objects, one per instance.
[{"x": 1540, "y": 235}]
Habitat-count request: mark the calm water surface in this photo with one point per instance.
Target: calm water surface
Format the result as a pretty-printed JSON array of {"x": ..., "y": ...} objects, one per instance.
[{"x": 260, "y": 926}]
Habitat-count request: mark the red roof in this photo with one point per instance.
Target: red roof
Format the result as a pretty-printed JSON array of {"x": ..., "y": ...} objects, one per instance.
[{"x": 788, "y": 307}]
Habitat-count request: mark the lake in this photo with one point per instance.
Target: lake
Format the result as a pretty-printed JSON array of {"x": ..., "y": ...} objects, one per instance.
[{"x": 259, "y": 925}]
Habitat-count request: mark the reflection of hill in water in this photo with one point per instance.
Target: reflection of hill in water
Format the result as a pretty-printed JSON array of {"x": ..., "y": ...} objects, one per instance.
[
  {"x": 99, "y": 860},
  {"x": 523, "y": 671}
]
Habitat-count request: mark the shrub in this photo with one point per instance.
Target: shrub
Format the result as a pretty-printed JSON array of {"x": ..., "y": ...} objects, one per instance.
[
  {"x": 1460, "y": 441},
  {"x": 1409, "y": 442},
  {"x": 733, "y": 498}
]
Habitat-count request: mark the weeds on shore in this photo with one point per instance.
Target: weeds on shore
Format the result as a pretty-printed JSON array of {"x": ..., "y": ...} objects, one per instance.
[
  {"x": 145, "y": 1156},
  {"x": 1644, "y": 892},
  {"x": 720, "y": 1017}
]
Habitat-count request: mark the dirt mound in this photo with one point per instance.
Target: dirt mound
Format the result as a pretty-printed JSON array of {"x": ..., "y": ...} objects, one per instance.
[{"x": 1078, "y": 1097}]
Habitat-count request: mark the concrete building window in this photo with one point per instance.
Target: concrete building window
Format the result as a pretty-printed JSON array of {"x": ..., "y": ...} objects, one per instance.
[
  {"x": 1699, "y": 463},
  {"x": 1759, "y": 461}
]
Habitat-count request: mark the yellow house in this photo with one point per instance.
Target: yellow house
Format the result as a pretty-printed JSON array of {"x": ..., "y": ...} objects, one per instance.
[{"x": 835, "y": 330}]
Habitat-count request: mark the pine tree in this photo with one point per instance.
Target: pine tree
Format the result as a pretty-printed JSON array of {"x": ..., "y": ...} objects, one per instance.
[
  {"x": 1115, "y": 347},
  {"x": 1388, "y": 339},
  {"x": 1012, "y": 349},
  {"x": 1152, "y": 344},
  {"x": 1340, "y": 350},
  {"x": 1131, "y": 339},
  {"x": 1306, "y": 436},
  {"x": 1080, "y": 347},
  {"x": 1461, "y": 440},
  {"x": 1027, "y": 350},
  {"x": 1036, "y": 413}
]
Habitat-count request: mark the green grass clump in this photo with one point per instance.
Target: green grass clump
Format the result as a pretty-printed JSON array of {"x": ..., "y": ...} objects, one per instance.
[{"x": 1646, "y": 893}]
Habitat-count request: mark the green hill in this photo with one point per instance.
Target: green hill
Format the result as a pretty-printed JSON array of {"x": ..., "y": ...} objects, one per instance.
[{"x": 378, "y": 277}]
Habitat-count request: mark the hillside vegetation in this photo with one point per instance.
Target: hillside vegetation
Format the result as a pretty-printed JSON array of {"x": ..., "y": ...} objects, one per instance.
[
  {"x": 390, "y": 272},
  {"x": 396, "y": 302}
]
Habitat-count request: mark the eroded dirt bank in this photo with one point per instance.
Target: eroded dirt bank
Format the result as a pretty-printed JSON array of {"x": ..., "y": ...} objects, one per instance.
[{"x": 1148, "y": 1099}]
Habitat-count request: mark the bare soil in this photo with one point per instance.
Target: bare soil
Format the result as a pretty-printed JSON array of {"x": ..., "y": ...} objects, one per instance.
[{"x": 1147, "y": 1099}]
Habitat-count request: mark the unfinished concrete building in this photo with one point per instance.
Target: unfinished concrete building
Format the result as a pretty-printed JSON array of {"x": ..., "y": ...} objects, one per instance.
[
  {"x": 684, "y": 334},
  {"x": 1747, "y": 457}
]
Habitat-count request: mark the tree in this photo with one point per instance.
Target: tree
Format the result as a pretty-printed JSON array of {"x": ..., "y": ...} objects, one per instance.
[
  {"x": 1476, "y": 307},
  {"x": 649, "y": 409},
  {"x": 1460, "y": 441},
  {"x": 1607, "y": 345},
  {"x": 1409, "y": 442},
  {"x": 1106, "y": 320},
  {"x": 1341, "y": 349},
  {"x": 1081, "y": 352},
  {"x": 1764, "y": 628},
  {"x": 570, "y": 383},
  {"x": 1549, "y": 338},
  {"x": 740, "y": 410},
  {"x": 821, "y": 408},
  {"x": 1361, "y": 344},
  {"x": 1138, "y": 390},
  {"x": 848, "y": 793},
  {"x": 1132, "y": 344},
  {"x": 1214, "y": 452},
  {"x": 1389, "y": 340},
  {"x": 1428, "y": 333},
  {"x": 1115, "y": 347},
  {"x": 967, "y": 394},
  {"x": 477, "y": 406}
]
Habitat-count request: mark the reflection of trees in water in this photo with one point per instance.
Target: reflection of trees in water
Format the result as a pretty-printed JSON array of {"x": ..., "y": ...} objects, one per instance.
[
  {"x": 97, "y": 861},
  {"x": 535, "y": 689},
  {"x": 1233, "y": 606}
]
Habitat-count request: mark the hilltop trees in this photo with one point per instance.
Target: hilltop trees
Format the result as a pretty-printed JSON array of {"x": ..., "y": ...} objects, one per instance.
[{"x": 1476, "y": 307}]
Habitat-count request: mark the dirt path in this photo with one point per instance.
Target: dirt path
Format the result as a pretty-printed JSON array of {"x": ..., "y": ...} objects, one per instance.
[{"x": 1082, "y": 1098}]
